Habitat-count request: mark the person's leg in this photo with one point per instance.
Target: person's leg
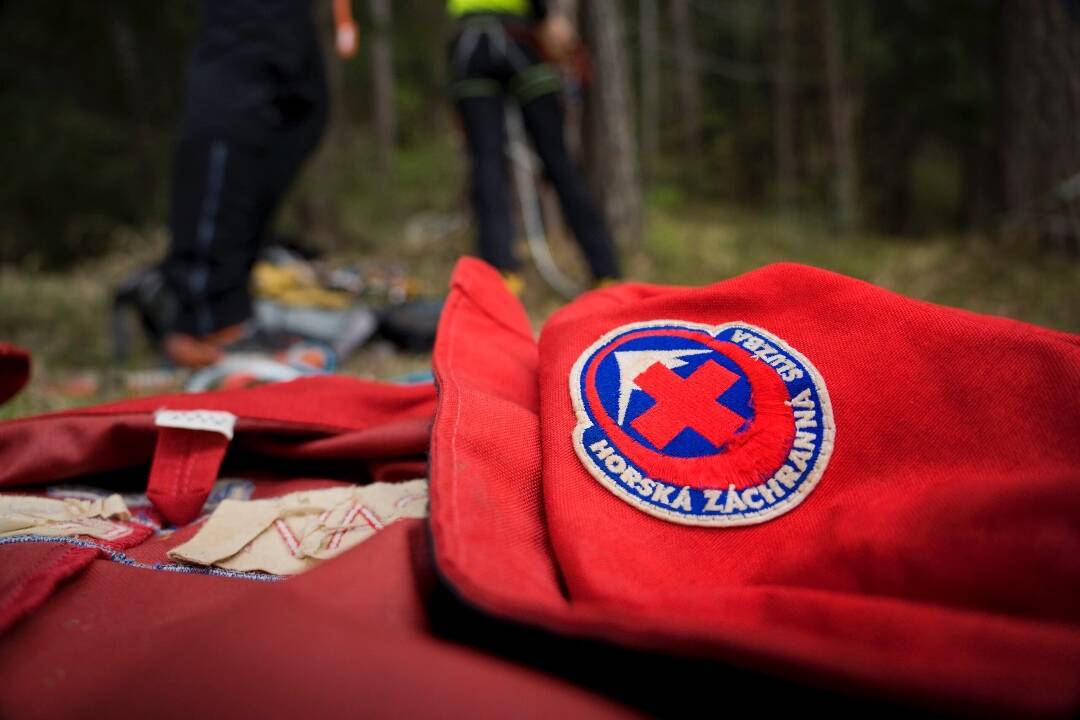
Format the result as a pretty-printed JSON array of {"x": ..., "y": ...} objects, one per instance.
[
  {"x": 477, "y": 85},
  {"x": 303, "y": 106},
  {"x": 484, "y": 121},
  {"x": 228, "y": 124},
  {"x": 212, "y": 216},
  {"x": 543, "y": 119}
]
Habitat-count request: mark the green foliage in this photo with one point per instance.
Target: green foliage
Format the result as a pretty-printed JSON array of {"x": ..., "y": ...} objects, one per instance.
[
  {"x": 375, "y": 205},
  {"x": 706, "y": 244},
  {"x": 88, "y": 97},
  {"x": 922, "y": 76},
  {"x": 667, "y": 197},
  {"x": 927, "y": 75}
]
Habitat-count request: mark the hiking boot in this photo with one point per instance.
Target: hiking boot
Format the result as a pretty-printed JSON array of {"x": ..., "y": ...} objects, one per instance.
[{"x": 188, "y": 351}]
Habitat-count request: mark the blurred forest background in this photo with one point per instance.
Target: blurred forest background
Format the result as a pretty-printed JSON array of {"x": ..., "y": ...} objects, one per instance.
[{"x": 929, "y": 146}]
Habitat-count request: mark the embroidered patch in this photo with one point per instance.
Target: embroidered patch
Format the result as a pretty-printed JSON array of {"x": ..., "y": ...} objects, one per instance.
[{"x": 701, "y": 425}]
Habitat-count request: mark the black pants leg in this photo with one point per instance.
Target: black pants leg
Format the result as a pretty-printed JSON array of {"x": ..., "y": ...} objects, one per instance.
[
  {"x": 215, "y": 201},
  {"x": 304, "y": 111},
  {"x": 254, "y": 109},
  {"x": 484, "y": 121},
  {"x": 543, "y": 119}
]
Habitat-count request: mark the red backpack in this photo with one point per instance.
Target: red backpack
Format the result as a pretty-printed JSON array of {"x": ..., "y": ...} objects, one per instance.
[{"x": 788, "y": 484}]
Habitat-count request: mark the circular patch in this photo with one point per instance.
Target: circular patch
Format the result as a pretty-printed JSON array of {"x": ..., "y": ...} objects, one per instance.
[{"x": 701, "y": 425}]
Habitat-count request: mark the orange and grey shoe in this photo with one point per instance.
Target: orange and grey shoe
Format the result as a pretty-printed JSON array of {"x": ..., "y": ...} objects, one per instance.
[{"x": 188, "y": 351}]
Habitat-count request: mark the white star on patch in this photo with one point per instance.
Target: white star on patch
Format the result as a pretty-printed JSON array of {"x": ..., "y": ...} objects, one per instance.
[{"x": 634, "y": 362}]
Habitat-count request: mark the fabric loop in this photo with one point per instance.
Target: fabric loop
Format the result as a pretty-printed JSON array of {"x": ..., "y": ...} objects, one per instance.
[{"x": 185, "y": 466}]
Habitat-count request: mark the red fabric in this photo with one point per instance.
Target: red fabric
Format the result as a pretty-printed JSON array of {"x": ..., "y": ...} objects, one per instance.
[
  {"x": 348, "y": 638},
  {"x": 314, "y": 419},
  {"x": 14, "y": 371},
  {"x": 35, "y": 571},
  {"x": 113, "y": 637},
  {"x": 185, "y": 466},
  {"x": 122, "y": 631},
  {"x": 936, "y": 561},
  {"x": 45, "y": 568}
]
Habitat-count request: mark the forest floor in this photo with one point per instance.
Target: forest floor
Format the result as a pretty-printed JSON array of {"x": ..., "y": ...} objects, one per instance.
[{"x": 64, "y": 318}]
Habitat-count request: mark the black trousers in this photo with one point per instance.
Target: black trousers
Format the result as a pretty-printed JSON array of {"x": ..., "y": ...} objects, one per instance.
[
  {"x": 488, "y": 65},
  {"x": 255, "y": 108}
]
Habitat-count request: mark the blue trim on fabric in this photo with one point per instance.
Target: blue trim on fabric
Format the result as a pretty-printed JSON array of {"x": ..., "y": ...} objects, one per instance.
[
  {"x": 197, "y": 280},
  {"x": 219, "y": 153},
  {"x": 420, "y": 377},
  {"x": 119, "y": 557}
]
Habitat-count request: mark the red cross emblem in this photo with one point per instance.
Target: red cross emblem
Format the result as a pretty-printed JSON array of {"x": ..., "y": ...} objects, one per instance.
[{"x": 687, "y": 403}]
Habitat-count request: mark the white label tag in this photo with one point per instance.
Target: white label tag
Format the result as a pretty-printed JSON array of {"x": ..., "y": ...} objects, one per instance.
[{"x": 216, "y": 421}]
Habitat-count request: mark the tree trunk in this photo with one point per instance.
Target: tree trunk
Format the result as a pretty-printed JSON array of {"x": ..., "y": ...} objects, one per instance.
[
  {"x": 611, "y": 145},
  {"x": 1040, "y": 118},
  {"x": 318, "y": 212},
  {"x": 784, "y": 106},
  {"x": 841, "y": 127},
  {"x": 436, "y": 22},
  {"x": 382, "y": 69},
  {"x": 649, "y": 41},
  {"x": 689, "y": 87},
  {"x": 125, "y": 47},
  {"x": 574, "y": 123}
]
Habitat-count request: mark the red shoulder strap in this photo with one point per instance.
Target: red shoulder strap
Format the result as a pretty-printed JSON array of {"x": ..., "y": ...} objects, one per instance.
[{"x": 190, "y": 447}]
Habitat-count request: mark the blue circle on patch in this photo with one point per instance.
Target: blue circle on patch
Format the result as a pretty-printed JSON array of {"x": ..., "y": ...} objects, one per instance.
[
  {"x": 684, "y": 357},
  {"x": 701, "y": 425}
]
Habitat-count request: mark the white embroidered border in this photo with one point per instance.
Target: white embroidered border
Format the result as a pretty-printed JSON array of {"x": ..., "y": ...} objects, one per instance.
[{"x": 828, "y": 434}]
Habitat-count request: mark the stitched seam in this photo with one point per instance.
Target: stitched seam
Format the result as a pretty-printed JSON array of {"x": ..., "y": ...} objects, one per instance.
[
  {"x": 123, "y": 559},
  {"x": 455, "y": 426},
  {"x": 63, "y": 566},
  {"x": 183, "y": 468},
  {"x": 18, "y": 586},
  {"x": 495, "y": 318}
]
